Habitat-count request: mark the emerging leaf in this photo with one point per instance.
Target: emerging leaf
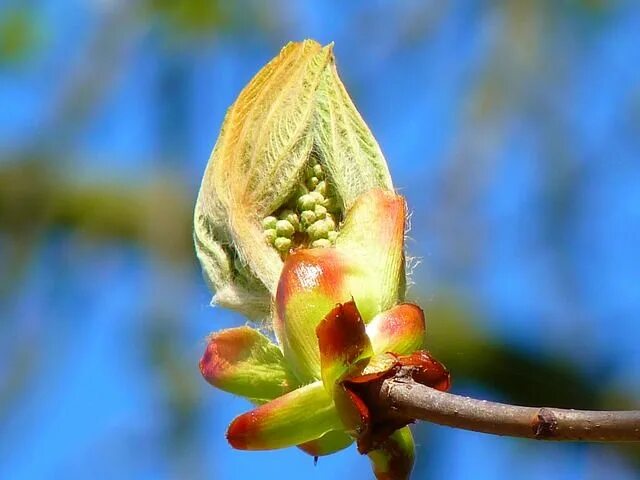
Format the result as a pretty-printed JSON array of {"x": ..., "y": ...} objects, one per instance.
[
  {"x": 400, "y": 330},
  {"x": 292, "y": 157},
  {"x": 343, "y": 342},
  {"x": 393, "y": 460},
  {"x": 311, "y": 284},
  {"x": 366, "y": 265},
  {"x": 301, "y": 416},
  {"x": 329, "y": 443},
  {"x": 373, "y": 238},
  {"x": 245, "y": 362}
]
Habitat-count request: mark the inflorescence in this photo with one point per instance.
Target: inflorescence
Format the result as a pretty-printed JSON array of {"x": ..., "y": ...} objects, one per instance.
[{"x": 310, "y": 219}]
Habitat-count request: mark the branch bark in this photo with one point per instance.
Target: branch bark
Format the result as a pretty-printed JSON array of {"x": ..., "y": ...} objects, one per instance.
[{"x": 408, "y": 398}]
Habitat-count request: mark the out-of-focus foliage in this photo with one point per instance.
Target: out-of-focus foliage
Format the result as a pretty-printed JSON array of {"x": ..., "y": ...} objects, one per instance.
[
  {"x": 195, "y": 17},
  {"x": 19, "y": 35}
]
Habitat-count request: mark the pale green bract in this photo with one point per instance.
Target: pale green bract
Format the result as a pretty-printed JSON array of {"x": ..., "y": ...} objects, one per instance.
[{"x": 293, "y": 114}]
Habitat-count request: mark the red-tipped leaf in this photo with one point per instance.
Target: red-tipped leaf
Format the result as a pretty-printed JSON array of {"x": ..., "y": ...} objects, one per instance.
[
  {"x": 343, "y": 342},
  {"x": 400, "y": 330}
]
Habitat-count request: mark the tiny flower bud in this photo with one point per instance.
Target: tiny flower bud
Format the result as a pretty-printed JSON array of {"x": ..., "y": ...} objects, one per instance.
[
  {"x": 313, "y": 182},
  {"x": 321, "y": 243},
  {"x": 318, "y": 230},
  {"x": 292, "y": 218},
  {"x": 282, "y": 244},
  {"x": 307, "y": 217},
  {"x": 269, "y": 222},
  {"x": 330, "y": 222},
  {"x": 270, "y": 235},
  {"x": 321, "y": 187},
  {"x": 320, "y": 211},
  {"x": 317, "y": 197},
  {"x": 306, "y": 202},
  {"x": 284, "y": 228}
]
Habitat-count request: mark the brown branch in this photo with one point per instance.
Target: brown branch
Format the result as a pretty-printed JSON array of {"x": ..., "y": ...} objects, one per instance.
[{"x": 407, "y": 398}]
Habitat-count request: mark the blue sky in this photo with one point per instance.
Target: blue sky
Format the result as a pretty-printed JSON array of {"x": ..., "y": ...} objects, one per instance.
[{"x": 527, "y": 210}]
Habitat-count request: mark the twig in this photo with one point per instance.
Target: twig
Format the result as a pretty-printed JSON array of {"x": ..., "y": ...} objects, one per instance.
[{"x": 411, "y": 399}]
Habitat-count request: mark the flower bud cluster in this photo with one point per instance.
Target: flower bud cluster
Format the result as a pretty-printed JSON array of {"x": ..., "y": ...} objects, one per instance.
[{"x": 311, "y": 218}]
